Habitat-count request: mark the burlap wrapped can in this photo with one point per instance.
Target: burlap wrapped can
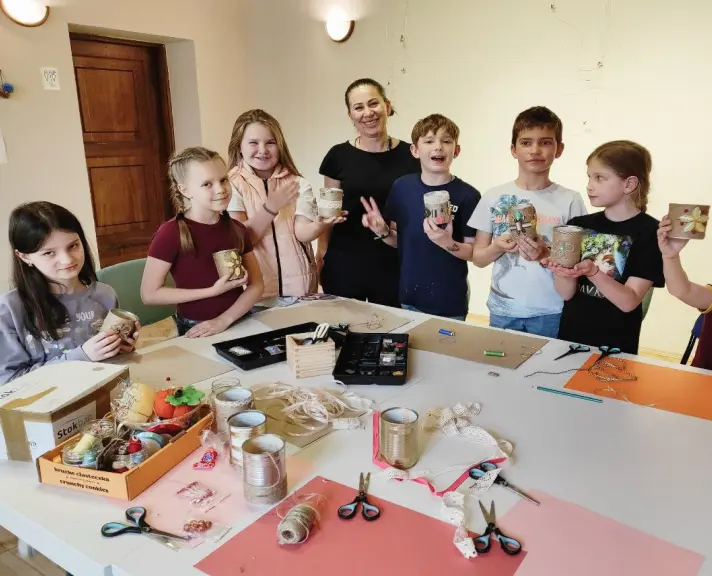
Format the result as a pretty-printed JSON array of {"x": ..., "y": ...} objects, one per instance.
[
  {"x": 329, "y": 203},
  {"x": 689, "y": 221},
  {"x": 522, "y": 221},
  {"x": 120, "y": 322},
  {"x": 566, "y": 246},
  {"x": 229, "y": 262}
]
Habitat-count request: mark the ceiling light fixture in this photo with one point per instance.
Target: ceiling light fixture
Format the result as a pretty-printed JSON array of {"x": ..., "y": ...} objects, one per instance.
[
  {"x": 339, "y": 30},
  {"x": 28, "y": 13}
]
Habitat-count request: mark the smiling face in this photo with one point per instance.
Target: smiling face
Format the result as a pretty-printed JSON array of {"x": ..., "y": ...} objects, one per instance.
[
  {"x": 536, "y": 149},
  {"x": 206, "y": 186},
  {"x": 259, "y": 149},
  {"x": 436, "y": 151},
  {"x": 368, "y": 110},
  {"x": 59, "y": 259},
  {"x": 605, "y": 188}
]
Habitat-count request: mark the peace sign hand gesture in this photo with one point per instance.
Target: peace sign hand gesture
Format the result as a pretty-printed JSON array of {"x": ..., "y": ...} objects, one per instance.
[{"x": 373, "y": 219}]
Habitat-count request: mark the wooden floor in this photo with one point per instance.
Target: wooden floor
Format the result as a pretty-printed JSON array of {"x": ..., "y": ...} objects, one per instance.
[{"x": 12, "y": 565}]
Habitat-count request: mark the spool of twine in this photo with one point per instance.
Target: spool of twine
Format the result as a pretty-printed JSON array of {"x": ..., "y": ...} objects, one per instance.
[
  {"x": 398, "y": 437},
  {"x": 566, "y": 245},
  {"x": 263, "y": 469},
  {"x": 228, "y": 400},
  {"x": 296, "y": 526},
  {"x": 243, "y": 426}
]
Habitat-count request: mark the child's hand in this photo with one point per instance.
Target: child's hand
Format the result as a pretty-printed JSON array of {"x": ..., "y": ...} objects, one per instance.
[
  {"x": 373, "y": 219},
  {"x": 224, "y": 285},
  {"x": 130, "y": 344},
  {"x": 669, "y": 247},
  {"x": 530, "y": 249},
  {"x": 559, "y": 270},
  {"x": 278, "y": 198},
  {"x": 586, "y": 268},
  {"x": 334, "y": 219},
  {"x": 208, "y": 328},
  {"x": 439, "y": 236},
  {"x": 102, "y": 346},
  {"x": 505, "y": 243}
]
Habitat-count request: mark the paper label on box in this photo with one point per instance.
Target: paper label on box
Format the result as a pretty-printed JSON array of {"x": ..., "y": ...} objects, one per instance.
[{"x": 43, "y": 436}]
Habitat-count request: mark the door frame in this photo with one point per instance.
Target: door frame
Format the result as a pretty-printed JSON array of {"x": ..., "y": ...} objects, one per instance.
[{"x": 167, "y": 138}]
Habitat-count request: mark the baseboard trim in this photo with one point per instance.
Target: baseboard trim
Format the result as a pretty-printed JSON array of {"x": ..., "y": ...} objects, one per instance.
[{"x": 675, "y": 358}]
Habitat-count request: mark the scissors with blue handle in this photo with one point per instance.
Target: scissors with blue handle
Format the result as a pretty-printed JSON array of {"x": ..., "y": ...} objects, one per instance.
[
  {"x": 137, "y": 517},
  {"x": 368, "y": 510},
  {"x": 484, "y": 542},
  {"x": 574, "y": 349},
  {"x": 608, "y": 351},
  {"x": 477, "y": 472}
]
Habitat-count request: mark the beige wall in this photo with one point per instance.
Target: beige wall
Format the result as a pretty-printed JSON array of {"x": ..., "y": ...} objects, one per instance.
[
  {"x": 477, "y": 61},
  {"x": 42, "y": 128},
  {"x": 482, "y": 62}
]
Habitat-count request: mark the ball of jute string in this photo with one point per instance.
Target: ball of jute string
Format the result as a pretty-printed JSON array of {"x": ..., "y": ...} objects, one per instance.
[{"x": 298, "y": 523}]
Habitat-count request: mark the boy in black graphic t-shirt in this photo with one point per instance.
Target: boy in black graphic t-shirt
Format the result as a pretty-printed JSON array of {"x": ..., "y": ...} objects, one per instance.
[{"x": 621, "y": 260}]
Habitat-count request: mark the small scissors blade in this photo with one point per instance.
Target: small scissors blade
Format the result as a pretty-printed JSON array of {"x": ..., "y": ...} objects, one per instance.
[{"x": 518, "y": 492}]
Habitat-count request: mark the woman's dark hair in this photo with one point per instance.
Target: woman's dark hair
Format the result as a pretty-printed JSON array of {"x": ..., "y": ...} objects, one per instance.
[
  {"x": 368, "y": 82},
  {"x": 30, "y": 225}
]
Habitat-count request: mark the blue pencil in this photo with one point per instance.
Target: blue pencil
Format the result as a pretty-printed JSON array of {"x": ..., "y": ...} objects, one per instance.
[{"x": 563, "y": 393}]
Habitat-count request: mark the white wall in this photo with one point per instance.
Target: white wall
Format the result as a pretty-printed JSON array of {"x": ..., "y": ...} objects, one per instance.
[
  {"x": 482, "y": 62},
  {"x": 42, "y": 128}
]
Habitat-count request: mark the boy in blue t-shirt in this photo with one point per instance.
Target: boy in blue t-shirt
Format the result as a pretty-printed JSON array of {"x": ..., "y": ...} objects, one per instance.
[{"x": 433, "y": 260}]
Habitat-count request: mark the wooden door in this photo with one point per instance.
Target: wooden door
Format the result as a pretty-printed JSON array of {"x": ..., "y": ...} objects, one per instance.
[{"x": 128, "y": 137}]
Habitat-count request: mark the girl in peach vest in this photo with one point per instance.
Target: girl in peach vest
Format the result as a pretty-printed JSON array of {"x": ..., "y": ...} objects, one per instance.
[{"x": 266, "y": 189}]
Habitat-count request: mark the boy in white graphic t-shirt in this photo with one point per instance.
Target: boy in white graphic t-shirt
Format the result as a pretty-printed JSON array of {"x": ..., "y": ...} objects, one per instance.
[{"x": 522, "y": 294}]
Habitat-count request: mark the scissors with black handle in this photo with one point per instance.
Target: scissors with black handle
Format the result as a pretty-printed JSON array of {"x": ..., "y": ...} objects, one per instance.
[
  {"x": 484, "y": 543},
  {"x": 477, "y": 472},
  {"x": 574, "y": 349},
  {"x": 137, "y": 517},
  {"x": 368, "y": 510},
  {"x": 608, "y": 351}
]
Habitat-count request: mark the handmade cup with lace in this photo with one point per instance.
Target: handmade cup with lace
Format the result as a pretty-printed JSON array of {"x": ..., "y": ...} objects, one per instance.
[
  {"x": 689, "y": 221},
  {"x": 566, "y": 246},
  {"x": 438, "y": 207},
  {"x": 329, "y": 203},
  {"x": 229, "y": 263},
  {"x": 120, "y": 322}
]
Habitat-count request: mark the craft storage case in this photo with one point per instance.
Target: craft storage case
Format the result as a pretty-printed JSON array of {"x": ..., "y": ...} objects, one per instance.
[
  {"x": 359, "y": 361},
  {"x": 126, "y": 485}
]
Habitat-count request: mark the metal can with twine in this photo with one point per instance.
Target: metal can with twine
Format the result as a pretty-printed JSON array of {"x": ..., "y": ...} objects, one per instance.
[
  {"x": 264, "y": 470},
  {"x": 243, "y": 426},
  {"x": 566, "y": 246},
  {"x": 229, "y": 398},
  {"x": 398, "y": 437}
]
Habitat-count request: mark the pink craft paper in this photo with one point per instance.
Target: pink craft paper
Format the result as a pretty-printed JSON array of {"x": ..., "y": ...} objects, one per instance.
[
  {"x": 401, "y": 541},
  {"x": 168, "y": 512},
  {"x": 383, "y": 465},
  {"x": 564, "y": 539}
]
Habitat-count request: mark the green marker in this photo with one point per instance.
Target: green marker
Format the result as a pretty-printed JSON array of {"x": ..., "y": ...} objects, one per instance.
[{"x": 495, "y": 353}]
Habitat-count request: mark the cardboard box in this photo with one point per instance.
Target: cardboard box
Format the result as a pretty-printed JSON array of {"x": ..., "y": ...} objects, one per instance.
[
  {"x": 310, "y": 360},
  {"x": 50, "y": 404},
  {"x": 128, "y": 485}
]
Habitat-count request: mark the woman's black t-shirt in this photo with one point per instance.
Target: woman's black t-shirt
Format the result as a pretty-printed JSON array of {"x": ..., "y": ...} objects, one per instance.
[{"x": 356, "y": 265}]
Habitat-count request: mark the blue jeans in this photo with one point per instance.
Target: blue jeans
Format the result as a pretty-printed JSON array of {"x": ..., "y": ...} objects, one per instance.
[
  {"x": 547, "y": 325},
  {"x": 414, "y": 309}
]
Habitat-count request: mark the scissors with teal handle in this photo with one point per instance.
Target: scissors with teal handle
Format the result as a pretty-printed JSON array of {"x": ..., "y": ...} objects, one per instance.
[
  {"x": 608, "y": 351},
  {"x": 137, "y": 517},
  {"x": 574, "y": 349},
  {"x": 477, "y": 472},
  {"x": 483, "y": 543}
]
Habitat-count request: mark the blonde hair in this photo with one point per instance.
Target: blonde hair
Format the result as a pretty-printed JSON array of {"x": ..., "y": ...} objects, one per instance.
[
  {"x": 627, "y": 159},
  {"x": 258, "y": 116},
  {"x": 178, "y": 167}
]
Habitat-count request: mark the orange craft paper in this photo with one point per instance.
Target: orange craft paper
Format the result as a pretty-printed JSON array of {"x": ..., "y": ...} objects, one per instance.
[{"x": 667, "y": 388}]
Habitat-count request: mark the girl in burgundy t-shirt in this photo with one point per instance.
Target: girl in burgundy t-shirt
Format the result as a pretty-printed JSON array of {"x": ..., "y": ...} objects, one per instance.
[
  {"x": 679, "y": 285},
  {"x": 184, "y": 247}
]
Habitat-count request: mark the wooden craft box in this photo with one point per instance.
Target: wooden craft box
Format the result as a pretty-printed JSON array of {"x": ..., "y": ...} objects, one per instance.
[
  {"x": 310, "y": 360},
  {"x": 128, "y": 485}
]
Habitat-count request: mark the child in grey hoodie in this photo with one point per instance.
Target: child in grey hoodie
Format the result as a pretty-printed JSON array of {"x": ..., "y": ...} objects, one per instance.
[{"x": 57, "y": 307}]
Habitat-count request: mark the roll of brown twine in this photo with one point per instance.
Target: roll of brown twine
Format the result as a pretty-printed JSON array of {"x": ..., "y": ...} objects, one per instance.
[
  {"x": 263, "y": 469},
  {"x": 398, "y": 437}
]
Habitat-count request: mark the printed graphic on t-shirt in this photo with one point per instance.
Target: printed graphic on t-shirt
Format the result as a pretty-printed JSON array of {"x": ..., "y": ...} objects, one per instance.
[
  {"x": 82, "y": 327},
  {"x": 609, "y": 252}
]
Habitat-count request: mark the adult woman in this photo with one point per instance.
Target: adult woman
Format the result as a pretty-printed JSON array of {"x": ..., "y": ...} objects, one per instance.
[{"x": 354, "y": 264}]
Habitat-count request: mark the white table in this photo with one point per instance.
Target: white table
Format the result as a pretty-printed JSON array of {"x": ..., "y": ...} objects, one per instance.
[{"x": 615, "y": 458}]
